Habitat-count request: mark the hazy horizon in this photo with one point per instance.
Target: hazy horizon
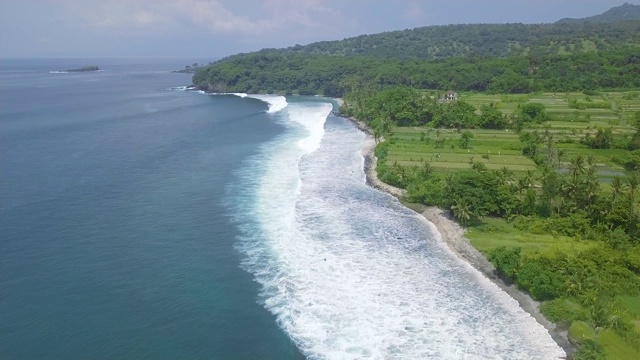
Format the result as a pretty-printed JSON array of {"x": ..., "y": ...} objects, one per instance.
[{"x": 210, "y": 29}]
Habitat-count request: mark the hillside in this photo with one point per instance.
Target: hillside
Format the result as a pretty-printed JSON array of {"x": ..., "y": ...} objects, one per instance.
[
  {"x": 494, "y": 40},
  {"x": 512, "y": 58},
  {"x": 333, "y": 75},
  {"x": 624, "y": 12}
]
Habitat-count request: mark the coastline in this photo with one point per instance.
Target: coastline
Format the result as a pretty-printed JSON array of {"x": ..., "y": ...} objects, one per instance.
[{"x": 452, "y": 234}]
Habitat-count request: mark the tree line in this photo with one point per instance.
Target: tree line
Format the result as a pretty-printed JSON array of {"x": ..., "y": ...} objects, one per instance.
[
  {"x": 309, "y": 74},
  {"x": 484, "y": 40}
]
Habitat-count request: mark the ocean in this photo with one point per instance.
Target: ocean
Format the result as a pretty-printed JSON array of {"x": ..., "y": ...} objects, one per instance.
[{"x": 142, "y": 221}]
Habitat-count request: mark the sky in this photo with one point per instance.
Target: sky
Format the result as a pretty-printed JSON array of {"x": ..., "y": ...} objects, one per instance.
[{"x": 216, "y": 28}]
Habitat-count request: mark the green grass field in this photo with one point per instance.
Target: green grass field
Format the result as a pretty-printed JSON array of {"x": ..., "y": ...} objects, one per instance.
[
  {"x": 498, "y": 232},
  {"x": 622, "y": 105},
  {"x": 413, "y": 146},
  {"x": 495, "y": 148},
  {"x": 615, "y": 347}
]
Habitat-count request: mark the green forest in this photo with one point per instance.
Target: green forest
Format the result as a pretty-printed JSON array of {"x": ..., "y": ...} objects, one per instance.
[
  {"x": 539, "y": 157},
  {"x": 333, "y": 76},
  {"x": 484, "y": 40},
  {"x": 502, "y": 58}
]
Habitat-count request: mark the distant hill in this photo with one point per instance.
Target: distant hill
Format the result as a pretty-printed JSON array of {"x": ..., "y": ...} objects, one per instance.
[
  {"x": 492, "y": 40},
  {"x": 619, "y": 13},
  {"x": 617, "y": 26},
  {"x": 514, "y": 58}
]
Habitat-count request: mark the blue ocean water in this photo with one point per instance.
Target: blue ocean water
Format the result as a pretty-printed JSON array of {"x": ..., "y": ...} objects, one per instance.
[
  {"x": 115, "y": 239},
  {"x": 142, "y": 221}
]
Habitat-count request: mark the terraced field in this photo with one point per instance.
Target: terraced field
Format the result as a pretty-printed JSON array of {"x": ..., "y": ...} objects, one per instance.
[
  {"x": 622, "y": 105},
  {"x": 502, "y": 148},
  {"x": 495, "y": 148}
]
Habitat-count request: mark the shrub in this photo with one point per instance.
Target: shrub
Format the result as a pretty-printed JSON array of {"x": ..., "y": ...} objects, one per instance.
[
  {"x": 560, "y": 309},
  {"x": 540, "y": 281},
  {"x": 506, "y": 261}
]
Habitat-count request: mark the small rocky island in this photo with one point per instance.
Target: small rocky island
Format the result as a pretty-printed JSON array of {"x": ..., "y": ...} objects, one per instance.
[
  {"x": 86, "y": 68},
  {"x": 189, "y": 69}
]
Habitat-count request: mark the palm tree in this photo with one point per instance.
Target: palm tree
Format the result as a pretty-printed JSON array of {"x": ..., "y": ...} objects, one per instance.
[
  {"x": 505, "y": 176},
  {"x": 448, "y": 185},
  {"x": 461, "y": 210},
  {"x": 561, "y": 153},
  {"x": 427, "y": 170},
  {"x": 522, "y": 184},
  {"x": 617, "y": 189},
  {"x": 633, "y": 182},
  {"x": 576, "y": 166},
  {"x": 529, "y": 178},
  {"x": 376, "y": 134},
  {"x": 529, "y": 202}
]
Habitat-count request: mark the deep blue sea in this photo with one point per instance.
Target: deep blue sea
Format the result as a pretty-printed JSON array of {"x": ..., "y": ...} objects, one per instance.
[{"x": 142, "y": 221}]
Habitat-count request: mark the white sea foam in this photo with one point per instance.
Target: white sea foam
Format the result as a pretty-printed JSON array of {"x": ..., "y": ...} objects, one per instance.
[
  {"x": 349, "y": 273},
  {"x": 276, "y": 102},
  {"x": 58, "y": 72},
  {"x": 182, "y": 88}
]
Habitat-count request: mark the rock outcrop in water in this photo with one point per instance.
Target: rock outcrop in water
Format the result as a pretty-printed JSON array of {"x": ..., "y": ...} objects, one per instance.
[
  {"x": 86, "y": 68},
  {"x": 189, "y": 69}
]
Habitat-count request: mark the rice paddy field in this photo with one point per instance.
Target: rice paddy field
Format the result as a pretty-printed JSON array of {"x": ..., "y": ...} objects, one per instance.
[
  {"x": 414, "y": 146},
  {"x": 571, "y": 117},
  {"x": 502, "y": 148}
]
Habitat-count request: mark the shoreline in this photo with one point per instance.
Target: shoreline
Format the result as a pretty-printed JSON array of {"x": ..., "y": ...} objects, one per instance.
[{"x": 452, "y": 234}]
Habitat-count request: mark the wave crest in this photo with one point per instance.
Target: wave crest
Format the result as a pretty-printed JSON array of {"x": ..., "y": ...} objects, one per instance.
[
  {"x": 350, "y": 274},
  {"x": 275, "y": 102}
]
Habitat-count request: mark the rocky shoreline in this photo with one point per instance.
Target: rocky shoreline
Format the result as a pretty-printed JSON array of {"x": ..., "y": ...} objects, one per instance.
[{"x": 452, "y": 234}]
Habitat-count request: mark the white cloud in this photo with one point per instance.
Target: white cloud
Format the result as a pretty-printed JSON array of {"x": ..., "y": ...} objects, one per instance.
[
  {"x": 214, "y": 16},
  {"x": 258, "y": 17},
  {"x": 414, "y": 10}
]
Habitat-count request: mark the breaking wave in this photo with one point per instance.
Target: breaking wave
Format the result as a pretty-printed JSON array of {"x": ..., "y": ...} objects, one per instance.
[
  {"x": 276, "y": 102},
  {"x": 348, "y": 272}
]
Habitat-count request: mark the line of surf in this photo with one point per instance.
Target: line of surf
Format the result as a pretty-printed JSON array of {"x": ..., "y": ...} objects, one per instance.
[
  {"x": 275, "y": 102},
  {"x": 351, "y": 275}
]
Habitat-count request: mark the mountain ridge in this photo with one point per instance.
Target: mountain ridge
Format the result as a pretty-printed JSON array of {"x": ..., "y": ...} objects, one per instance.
[
  {"x": 623, "y": 12},
  {"x": 508, "y": 58}
]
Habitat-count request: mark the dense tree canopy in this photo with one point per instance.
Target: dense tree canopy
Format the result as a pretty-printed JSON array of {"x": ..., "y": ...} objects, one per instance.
[
  {"x": 330, "y": 75},
  {"x": 483, "y": 40}
]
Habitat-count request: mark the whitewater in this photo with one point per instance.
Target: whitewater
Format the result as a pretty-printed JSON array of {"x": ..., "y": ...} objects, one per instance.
[{"x": 347, "y": 270}]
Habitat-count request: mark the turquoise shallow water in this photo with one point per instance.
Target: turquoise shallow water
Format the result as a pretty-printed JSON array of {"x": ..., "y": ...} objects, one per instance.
[{"x": 115, "y": 241}]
